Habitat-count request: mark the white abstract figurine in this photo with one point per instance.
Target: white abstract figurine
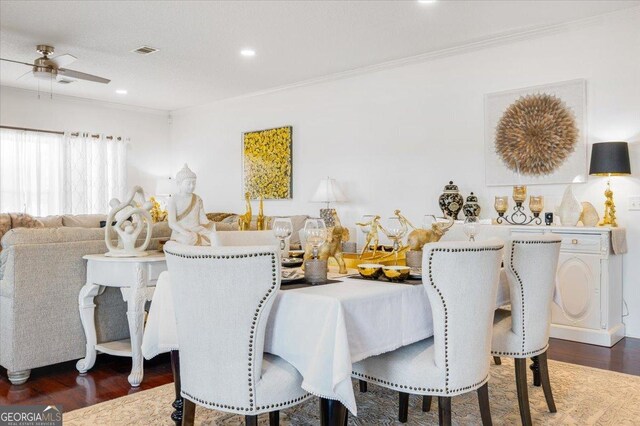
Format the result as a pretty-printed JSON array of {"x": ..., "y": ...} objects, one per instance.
[
  {"x": 129, "y": 220},
  {"x": 187, "y": 218}
]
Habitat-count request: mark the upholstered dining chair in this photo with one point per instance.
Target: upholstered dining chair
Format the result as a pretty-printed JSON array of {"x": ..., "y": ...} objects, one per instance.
[
  {"x": 461, "y": 280},
  {"x": 222, "y": 298},
  {"x": 523, "y": 332}
]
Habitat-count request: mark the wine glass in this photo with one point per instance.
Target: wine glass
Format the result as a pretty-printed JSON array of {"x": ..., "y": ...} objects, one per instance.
[
  {"x": 428, "y": 220},
  {"x": 471, "y": 227},
  {"x": 396, "y": 230},
  {"x": 282, "y": 229},
  {"x": 316, "y": 232}
]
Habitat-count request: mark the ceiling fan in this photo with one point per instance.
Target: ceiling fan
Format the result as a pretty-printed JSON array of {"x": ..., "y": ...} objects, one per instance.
[{"x": 45, "y": 68}]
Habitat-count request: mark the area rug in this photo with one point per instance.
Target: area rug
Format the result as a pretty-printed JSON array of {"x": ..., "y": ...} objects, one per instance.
[{"x": 583, "y": 395}]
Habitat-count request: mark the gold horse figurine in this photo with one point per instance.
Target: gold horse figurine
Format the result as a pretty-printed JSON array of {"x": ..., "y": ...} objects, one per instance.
[{"x": 244, "y": 221}]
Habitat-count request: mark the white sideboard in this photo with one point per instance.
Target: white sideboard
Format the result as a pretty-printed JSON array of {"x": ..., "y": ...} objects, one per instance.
[{"x": 589, "y": 279}]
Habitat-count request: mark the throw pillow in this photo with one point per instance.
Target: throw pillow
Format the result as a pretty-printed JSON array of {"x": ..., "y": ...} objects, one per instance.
[
  {"x": 23, "y": 220},
  {"x": 5, "y": 224}
]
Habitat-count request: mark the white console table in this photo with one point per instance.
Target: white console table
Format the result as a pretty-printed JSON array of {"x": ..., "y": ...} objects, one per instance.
[
  {"x": 589, "y": 279},
  {"x": 136, "y": 277}
]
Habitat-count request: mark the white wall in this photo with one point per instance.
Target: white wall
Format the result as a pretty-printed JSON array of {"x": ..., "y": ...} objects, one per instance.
[
  {"x": 394, "y": 137},
  {"x": 147, "y": 129}
]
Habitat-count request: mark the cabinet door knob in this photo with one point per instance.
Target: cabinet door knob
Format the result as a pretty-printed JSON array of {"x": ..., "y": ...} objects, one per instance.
[{"x": 574, "y": 241}]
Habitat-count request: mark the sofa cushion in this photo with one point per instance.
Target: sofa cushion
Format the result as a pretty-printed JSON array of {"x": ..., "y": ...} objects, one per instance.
[
  {"x": 53, "y": 221},
  {"x": 83, "y": 220},
  {"x": 70, "y": 234}
]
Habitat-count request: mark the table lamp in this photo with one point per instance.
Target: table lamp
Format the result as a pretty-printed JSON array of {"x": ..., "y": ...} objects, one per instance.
[
  {"x": 328, "y": 192},
  {"x": 609, "y": 159}
]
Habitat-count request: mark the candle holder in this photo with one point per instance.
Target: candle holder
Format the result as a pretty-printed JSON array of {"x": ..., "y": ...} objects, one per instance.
[{"x": 519, "y": 217}]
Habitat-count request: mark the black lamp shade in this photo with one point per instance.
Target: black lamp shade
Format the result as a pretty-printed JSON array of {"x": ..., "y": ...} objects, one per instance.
[{"x": 610, "y": 158}]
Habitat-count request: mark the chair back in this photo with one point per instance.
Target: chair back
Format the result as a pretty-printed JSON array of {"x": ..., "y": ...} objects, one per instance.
[
  {"x": 222, "y": 298},
  {"x": 531, "y": 264},
  {"x": 461, "y": 280}
]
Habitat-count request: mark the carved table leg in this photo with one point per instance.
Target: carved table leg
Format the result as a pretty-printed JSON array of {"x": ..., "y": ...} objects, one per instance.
[
  {"x": 178, "y": 403},
  {"x": 135, "y": 316},
  {"x": 87, "y": 310},
  {"x": 535, "y": 367}
]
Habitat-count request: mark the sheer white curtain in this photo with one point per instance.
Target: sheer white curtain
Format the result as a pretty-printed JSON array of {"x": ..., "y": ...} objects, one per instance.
[
  {"x": 30, "y": 172},
  {"x": 94, "y": 172},
  {"x": 46, "y": 173}
]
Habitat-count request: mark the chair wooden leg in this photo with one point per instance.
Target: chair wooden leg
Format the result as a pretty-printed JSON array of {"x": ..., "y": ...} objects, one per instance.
[
  {"x": 346, "y": 417},
  {"x": 523, "y": 395},
  {"x": 497, "y": 360},
  {"x": 403, "y": 411},
  {"x": 188, "y": 412},
  {"x": 274, "y": 418},
  {"x": 426, "y": 403},
  {"x": 251, "y": 420},
  {"x": 444, "y": 410},
  {"x": 546, "y": 383},
  {"x": 485, "y": 408},
  {"x": 363, "y": 386},
  {"x": 535, "y": 367}
]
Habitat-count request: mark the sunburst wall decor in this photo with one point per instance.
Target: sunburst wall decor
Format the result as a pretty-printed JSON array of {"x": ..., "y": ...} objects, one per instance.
[{"x": 536, "y": 135}]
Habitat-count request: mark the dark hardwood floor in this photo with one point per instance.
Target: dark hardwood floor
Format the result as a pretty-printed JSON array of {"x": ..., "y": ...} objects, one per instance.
[{"x": 61, "y": 383}]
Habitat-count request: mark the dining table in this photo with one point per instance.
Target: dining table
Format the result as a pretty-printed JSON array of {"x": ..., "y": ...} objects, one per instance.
[{"x": 321, "y": 330}]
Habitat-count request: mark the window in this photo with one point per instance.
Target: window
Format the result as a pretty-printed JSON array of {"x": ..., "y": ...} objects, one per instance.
[{"x": 44, "y": 173}]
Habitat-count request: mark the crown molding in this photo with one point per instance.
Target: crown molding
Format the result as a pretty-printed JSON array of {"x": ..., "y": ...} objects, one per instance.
[
  {"x": 476, "y": 45},
  {"x": 85, "y": 101}
]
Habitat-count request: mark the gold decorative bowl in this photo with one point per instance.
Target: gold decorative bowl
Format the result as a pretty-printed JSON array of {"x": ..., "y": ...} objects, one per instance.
[
  {"x": 396, "y": 273},
  {"x": 370, "y": 271}
]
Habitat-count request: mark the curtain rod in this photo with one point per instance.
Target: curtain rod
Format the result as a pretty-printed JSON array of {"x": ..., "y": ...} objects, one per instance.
[{"x": 32, "y": 130}]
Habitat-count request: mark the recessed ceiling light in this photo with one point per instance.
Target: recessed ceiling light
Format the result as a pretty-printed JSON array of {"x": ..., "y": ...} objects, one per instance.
[
  {"x": 121, "y": 91},
  {"x": 248, "y": 52}
]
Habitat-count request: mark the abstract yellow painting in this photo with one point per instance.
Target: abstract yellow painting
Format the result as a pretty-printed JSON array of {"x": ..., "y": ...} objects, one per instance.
[{"x": 267, "y": 163}]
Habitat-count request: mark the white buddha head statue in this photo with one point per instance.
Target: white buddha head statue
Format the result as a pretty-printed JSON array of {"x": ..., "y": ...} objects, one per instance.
[{"x": 186, "y": 180}]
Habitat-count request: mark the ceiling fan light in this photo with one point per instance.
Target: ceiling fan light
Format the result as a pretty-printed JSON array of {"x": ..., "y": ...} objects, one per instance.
[{"x": 43, "y": 75}]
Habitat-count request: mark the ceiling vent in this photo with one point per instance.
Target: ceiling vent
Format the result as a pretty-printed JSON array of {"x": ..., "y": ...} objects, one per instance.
[{"x": 145, "y": 50}]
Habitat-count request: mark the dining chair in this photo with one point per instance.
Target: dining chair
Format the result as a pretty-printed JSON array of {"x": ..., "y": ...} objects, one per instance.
[
  {"x": 523, "y": 332},
  {"x": 461, "y": 280},
  {"x": 222, "y": 298}
]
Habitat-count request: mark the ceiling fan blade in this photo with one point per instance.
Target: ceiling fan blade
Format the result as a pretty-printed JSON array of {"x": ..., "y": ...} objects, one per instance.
[
  {"x": 16, "y": 62},
  {"x": 28, "y": 73},
  {"x": 82, "y": 76},
  {"x": 62, "y": 60}
]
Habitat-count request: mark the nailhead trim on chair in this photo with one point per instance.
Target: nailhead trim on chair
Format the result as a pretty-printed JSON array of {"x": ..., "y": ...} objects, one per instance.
[
  {"x": 444, "y": 304},
  {"x": 542, "y": 349},
  {"x": 256, "y": 317},
  {"x": 521, "y": 286}
]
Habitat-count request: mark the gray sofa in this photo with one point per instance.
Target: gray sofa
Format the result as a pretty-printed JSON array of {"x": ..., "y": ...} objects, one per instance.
[{"x": 41, "y": 273}]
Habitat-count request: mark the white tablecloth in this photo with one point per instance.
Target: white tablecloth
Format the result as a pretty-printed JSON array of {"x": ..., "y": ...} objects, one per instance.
[{"x": 322, "y": 330}]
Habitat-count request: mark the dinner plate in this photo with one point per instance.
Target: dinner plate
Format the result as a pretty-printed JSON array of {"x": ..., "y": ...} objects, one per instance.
[
  {"x": 415, "y": 273},
  {"x": 291, "y": 276},
  {"x": 291, "y": 261}
]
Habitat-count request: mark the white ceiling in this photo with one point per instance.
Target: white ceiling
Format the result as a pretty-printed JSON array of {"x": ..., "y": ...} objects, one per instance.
[{"x": 295, "y": 41}]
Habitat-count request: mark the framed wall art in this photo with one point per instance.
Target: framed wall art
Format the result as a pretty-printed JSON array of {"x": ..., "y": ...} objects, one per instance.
[
  {"x": 267, "y": 161},
  {"x": 536, "y": 135}
]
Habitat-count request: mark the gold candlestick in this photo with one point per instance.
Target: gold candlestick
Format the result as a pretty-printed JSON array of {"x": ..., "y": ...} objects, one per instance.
[
  {"x": 536, "y": 204},
  {"x": 501, "y": 204}
]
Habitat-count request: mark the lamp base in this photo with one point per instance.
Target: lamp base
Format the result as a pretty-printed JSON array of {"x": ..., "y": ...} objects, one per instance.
[
  {"x": 609, "y": 218},
  {"x": 327, "y": 216}
]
